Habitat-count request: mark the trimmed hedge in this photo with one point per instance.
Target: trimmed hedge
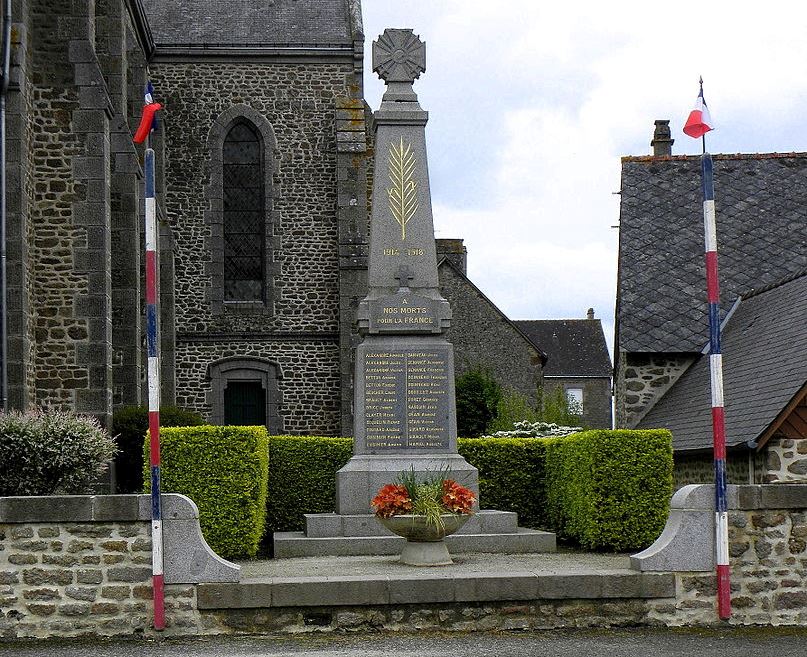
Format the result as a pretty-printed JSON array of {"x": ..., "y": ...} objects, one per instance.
[
  {"x": 511, "y": 475},
  {"x": 225, "y": 471},
  {"x": 129, "y": 425},
  {"x": 609, "y": 490},
  {"x": 303, "y": 478}
]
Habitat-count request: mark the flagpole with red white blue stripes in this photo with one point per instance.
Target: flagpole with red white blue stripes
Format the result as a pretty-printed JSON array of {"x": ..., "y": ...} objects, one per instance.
[
  {"x": 147, "y": 124},
  {"x": 697, "y": 125}
]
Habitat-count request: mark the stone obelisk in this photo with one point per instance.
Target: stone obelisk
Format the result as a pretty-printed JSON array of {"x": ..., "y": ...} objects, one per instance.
[{"x": 404, "y": 406}]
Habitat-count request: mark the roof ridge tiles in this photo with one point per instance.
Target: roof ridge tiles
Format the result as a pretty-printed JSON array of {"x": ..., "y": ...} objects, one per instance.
[
  {"x": 772, "y": 286},
  {"x": 715, "y": 156}
]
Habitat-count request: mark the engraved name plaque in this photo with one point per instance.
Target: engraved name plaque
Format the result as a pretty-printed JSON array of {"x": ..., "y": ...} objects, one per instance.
[{"x": 407, "y": 401}]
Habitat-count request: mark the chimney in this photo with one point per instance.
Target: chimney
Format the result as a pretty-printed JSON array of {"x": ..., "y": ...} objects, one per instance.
[
  {"x": 590, "y": 313},
  {"x": 455, "y": 251},
  {"x": 662, "y": 143}
]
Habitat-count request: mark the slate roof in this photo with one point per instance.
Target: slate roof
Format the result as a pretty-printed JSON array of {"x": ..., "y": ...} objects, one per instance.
[
  {"x": 764, "y": 345},
  {"x": 574, "y": 347},
  {"x": 761, "y": 205},
  {"x": 249, "y": 23}
]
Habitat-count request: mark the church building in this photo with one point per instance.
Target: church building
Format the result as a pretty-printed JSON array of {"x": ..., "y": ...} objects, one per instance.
[{"x": 264, "y": 168}]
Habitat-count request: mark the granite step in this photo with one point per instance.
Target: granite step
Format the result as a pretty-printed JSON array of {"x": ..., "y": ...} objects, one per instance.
[
  {"x": 437, "y": 586},
  {"x": 521, "y": 541},
  {"x": 330, "y": 525}
]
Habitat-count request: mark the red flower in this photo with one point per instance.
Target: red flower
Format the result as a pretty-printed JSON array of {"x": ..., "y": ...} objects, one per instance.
[
  {"x": 456, "y": 498},
  {"x": 392, "y": 500}
]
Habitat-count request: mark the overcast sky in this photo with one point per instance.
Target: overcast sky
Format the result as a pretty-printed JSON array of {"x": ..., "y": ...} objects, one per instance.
[{"x": 531, "y": 105}]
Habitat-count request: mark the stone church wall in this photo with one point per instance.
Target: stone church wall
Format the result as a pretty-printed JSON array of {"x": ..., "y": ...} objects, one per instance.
[
  {"x": 299, "y": 324},
  {"x": 67, "y": 103},
  {"x": 309, "y": 387}
]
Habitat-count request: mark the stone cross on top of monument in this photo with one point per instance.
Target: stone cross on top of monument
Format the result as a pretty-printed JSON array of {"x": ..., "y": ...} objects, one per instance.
[{"x": 399, "y": 57}]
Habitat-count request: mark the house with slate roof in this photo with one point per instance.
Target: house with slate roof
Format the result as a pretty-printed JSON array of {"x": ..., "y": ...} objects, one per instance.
[
  {"x": 482, "y": 335},
  {"x": 661, "y": 311},
  {"x": 577, "y": 362},
  {"x": 764, "y": 345}
]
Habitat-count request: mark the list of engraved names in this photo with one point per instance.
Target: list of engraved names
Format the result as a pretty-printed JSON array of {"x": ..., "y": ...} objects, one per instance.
[{"x": 406, "y": 399}]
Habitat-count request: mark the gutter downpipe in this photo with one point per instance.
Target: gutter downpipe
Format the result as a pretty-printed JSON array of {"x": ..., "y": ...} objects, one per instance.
[{"x": 6, "y": 66}]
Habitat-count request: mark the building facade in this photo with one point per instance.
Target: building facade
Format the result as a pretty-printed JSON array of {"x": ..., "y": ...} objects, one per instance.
[{"x": 264, "y": 170}]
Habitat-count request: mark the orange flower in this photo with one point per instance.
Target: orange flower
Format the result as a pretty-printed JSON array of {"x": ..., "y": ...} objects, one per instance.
[
  {"x": 392, "y": 500},
  {"x": 456, "y": 498}
]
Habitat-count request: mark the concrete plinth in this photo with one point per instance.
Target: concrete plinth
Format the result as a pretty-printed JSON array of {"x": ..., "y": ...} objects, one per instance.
[{"x": 362, "y": 477}]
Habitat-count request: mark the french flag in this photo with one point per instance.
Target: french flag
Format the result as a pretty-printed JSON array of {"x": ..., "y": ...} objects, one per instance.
[
  {"x": 148, "y": 121},
  {"x": 699, "y": 121}
]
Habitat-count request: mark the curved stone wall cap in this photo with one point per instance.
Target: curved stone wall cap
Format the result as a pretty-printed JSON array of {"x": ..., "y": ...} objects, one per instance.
[
  {"x": 174, "y": 507},
  {"x": 702, "y": 496},
  {"x": 399, "y": 56}
]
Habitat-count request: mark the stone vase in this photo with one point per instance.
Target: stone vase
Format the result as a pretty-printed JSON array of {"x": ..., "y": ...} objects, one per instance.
[{"x": 424, "y": 542}]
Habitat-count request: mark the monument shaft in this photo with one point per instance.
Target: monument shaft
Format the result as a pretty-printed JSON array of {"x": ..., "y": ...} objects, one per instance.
[{"x": 404, "y": 407}]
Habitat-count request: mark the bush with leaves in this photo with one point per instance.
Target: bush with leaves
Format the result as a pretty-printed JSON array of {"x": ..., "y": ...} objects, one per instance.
[
  {"x": 50, "y": 453},
  {"x": 129, "y": 426},
  {"x": 478, "y": 395},
  {"x": 538, "y": 429},
  {"x": 513, "y": 408}
]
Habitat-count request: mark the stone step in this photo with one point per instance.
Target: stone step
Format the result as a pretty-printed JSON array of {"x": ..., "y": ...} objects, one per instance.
[
  {"x": 331, "y": 525},
  {"x": 297, "y": 544},
  {"x": 434, "y": 587}
]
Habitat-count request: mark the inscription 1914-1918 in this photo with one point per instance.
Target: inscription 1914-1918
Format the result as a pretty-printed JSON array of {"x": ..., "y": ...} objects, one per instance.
[{"x": 406, "y": 400}]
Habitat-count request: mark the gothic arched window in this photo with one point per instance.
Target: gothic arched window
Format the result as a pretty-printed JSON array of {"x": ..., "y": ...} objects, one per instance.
[
  {"x": 240, "y": 213},
  {"x": 244, "y": 214}
]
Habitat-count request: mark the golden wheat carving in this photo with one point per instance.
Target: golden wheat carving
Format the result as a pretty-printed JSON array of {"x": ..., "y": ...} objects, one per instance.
[{"x": 403, "y": 194}]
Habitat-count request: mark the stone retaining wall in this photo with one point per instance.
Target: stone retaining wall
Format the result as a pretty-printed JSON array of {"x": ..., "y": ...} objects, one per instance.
[
  {"x": 767, "y": 552},
  {"x": 77, "y": 566},
  {"x": 80, "y": 566}
]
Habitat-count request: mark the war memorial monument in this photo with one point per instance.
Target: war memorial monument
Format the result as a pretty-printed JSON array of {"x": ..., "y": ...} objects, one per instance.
[{"x": 404, "y": 406}]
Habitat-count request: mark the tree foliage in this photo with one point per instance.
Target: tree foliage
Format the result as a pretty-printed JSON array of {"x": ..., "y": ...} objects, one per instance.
[{"x": 478, "y": 396}]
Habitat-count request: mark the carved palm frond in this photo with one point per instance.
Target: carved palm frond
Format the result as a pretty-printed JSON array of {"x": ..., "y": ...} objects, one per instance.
[{"x": 403, "y": 193}]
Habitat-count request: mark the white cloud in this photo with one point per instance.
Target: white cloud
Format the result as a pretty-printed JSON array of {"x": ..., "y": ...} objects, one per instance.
[{"x": 532, "y": 104}]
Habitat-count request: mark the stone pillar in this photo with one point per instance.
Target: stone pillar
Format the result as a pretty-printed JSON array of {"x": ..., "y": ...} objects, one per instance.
[
  {"x": 20, "y": 344},
  {"x": 405, "y": 414},
  {"x": 351, "y": 176}
]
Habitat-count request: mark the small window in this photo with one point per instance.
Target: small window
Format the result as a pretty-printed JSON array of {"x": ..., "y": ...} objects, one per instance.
[{"x": 574, "y": 397}]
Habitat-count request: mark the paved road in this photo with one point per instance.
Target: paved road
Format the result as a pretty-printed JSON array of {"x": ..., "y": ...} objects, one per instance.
[{"x": 754, "y": 642}]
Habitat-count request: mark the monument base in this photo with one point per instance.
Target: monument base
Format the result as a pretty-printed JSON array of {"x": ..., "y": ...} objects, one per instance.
[
  {"x": 332, "y": 534},
  {"x": 360, "y": 480}
]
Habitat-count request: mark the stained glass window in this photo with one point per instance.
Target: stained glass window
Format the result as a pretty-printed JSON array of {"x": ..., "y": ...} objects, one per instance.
[{"x": 244, "y": 215}]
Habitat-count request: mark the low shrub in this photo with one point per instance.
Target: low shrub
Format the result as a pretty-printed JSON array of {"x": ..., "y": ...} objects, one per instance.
[
  {"x": 511, "y": 475},
  {"x": 50, "y": 453},
  {"x": 526, "y": 429},
  {"x": 303, "y": 478},
  {"x": 513, "y": 408},
  {"x": 224, "y": 470},
  {"x": 609, "y": 490},
  {"x": 129, "y": 425}
]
